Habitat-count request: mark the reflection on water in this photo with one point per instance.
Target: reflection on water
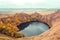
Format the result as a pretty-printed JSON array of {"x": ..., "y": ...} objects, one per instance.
[{"x": 35, "y": 28}]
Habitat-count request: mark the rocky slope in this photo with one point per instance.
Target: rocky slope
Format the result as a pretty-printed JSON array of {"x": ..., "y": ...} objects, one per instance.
[{"x": 53, "y": 20}]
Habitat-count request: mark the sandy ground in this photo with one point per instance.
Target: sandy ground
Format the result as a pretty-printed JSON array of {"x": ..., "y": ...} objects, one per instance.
[
  {"x": 5, "y": 13},
  {"x": 10, "y": 13}
]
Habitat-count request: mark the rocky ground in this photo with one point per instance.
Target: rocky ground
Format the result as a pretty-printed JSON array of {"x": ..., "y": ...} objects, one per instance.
[{"x": 52, "y": 34}]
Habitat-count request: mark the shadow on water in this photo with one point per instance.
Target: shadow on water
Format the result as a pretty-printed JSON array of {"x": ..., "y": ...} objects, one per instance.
[{"x": 33, "y": 28}]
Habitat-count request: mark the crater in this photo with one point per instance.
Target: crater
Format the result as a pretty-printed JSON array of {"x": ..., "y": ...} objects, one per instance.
[{"x": 33, "y": 28}]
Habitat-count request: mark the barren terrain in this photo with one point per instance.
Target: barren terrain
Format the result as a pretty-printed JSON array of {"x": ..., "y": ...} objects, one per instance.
[{"x": 52, "y": 34}]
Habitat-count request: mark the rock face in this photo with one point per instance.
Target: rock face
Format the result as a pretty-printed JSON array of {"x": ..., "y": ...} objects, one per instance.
[{"x": 9, "y": 24}]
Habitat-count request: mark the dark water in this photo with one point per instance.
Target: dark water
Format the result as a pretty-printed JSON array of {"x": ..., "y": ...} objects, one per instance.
[{"x": 35, "y": 28}]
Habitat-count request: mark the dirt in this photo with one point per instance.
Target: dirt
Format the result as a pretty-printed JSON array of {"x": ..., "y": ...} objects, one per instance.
[{"x": 52, "y": 34}]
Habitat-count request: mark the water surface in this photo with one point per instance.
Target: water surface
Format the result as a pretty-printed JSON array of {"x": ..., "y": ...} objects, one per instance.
[{"x": 35, "y": 28}]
